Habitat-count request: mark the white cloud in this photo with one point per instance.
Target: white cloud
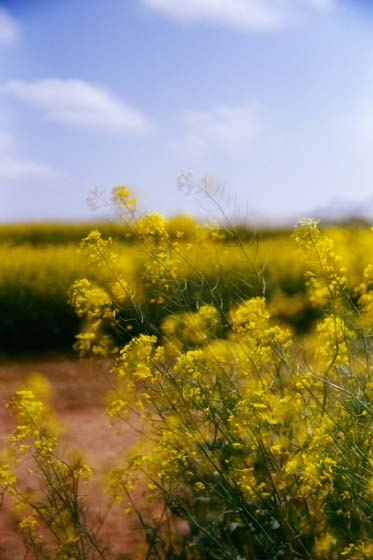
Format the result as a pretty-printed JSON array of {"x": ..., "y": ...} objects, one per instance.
[
  {"x": 9, "y": 28},
  {"x": 224, "y": 130},
  {"x": 237, "y": 13},
  {"x": 14, "y": 167},
  {"x": 79, "y": 103},
  {"x": 254, "y": 14}
]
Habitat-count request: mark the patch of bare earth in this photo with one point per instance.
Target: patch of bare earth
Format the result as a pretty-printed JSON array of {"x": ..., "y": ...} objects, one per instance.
[{"x": 79, "y": 401}]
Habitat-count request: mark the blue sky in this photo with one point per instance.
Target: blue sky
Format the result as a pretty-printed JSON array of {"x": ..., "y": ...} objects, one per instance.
[{"x": 272, "y": 100}]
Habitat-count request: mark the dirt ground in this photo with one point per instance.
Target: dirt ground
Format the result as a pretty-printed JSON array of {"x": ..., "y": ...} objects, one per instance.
[{"x": 79, "y": 400}]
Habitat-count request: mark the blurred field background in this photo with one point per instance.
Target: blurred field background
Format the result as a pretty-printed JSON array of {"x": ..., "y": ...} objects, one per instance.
[{"x": 40, "y": 261}]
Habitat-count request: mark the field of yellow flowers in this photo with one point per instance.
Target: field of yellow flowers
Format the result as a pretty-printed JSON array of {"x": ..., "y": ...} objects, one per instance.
[
  {"x": 39, "y": 262},
  {"x": 244, "y": 369}
]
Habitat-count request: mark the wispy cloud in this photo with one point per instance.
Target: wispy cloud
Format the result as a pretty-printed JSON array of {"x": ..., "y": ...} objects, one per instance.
[
  {"x": 225, "y": 130},
  {"x": 78, "y": 103},
  {"x": 14, "y": 167},
  {"x": 244, "y": 14},
  {"x": 9, "y": 28}
]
